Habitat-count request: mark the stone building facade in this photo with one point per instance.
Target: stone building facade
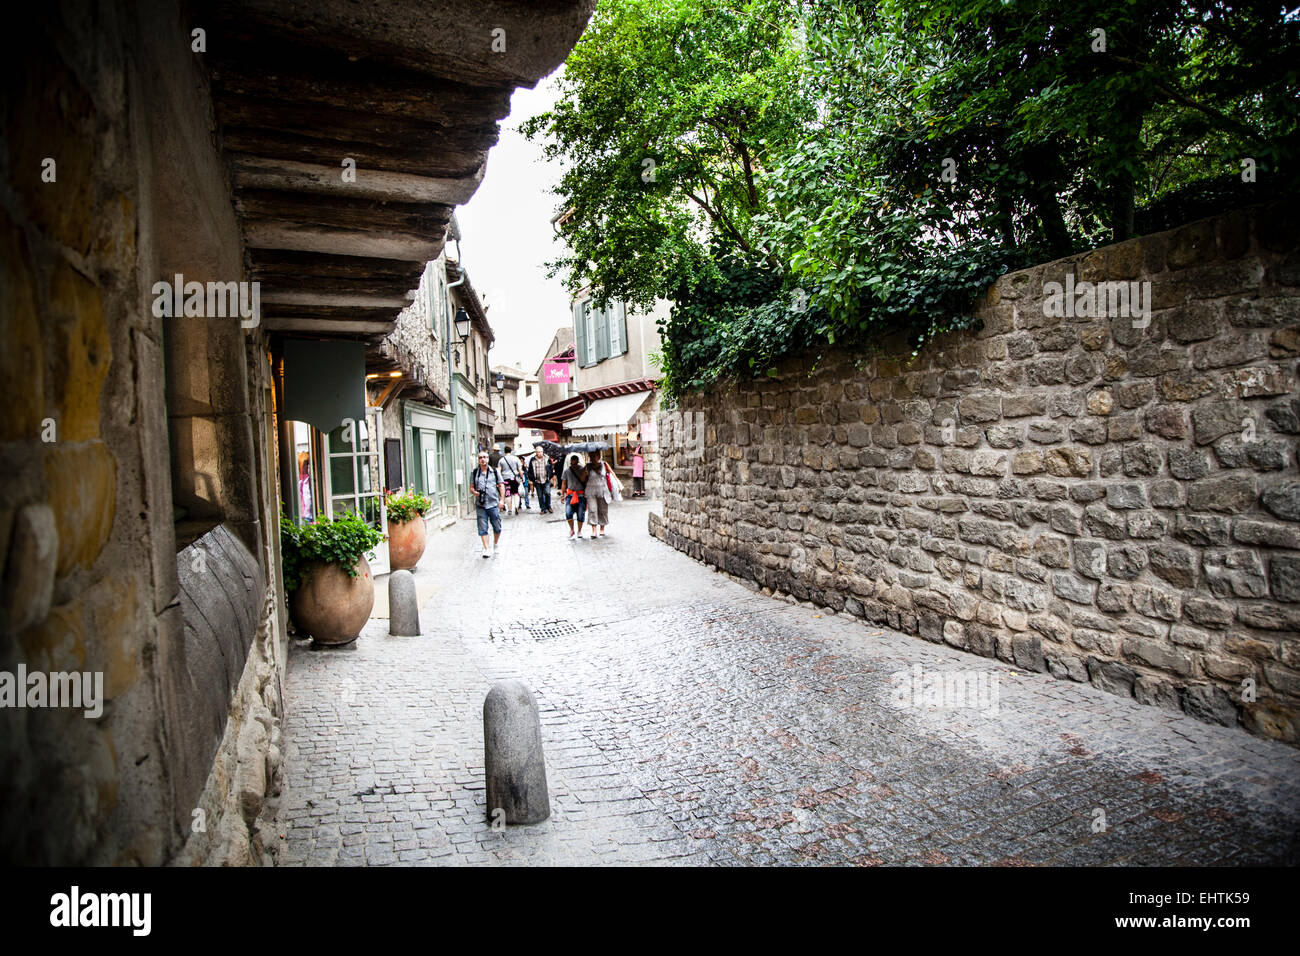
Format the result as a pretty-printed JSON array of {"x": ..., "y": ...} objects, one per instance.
[
  {"x": 138, "y": 505},
  {"x": 1109, "y": 499},
  {"x": 613, "y": 361},
  {"x": 417, "y": 346},
  {"x": 422, "y": 412},
  {"x": 141, "y": 452},
  {"x": 506, "y": 399},
  {"x": 470, "y": 363}
]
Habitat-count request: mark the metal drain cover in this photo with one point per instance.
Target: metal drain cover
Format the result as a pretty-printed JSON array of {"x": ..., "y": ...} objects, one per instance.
[
  {"x": 548, "y": 630},
  {"x": 544, "y": 630}
]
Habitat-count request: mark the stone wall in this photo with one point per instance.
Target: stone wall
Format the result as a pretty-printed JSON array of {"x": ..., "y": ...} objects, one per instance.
[
  {"x": 75, "y": 529},
  {"x": 1100, "y": 498},
  {"x": 111, "y": 93},
  {"x": 420, "y": 351}
]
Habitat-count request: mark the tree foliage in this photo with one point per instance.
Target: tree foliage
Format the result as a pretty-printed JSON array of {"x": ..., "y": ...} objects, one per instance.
[
  {"x": 668, "y": 110},
  {"x": 793, "y": 174}
]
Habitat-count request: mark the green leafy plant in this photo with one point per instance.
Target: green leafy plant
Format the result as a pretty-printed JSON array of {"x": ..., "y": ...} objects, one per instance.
[
  {"x": 795, "y": 175},
  {"x": 406, "y": 506},
  {"x": 340, "y": 541}
]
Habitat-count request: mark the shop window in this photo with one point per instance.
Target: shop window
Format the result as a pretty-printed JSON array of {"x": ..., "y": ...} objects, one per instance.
[
  {"x": 353, "y": 471},
  {"x": 307, "y": 489}
]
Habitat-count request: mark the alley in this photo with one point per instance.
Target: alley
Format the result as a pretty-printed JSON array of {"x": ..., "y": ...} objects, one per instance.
[{"x": 690, "y": 720}]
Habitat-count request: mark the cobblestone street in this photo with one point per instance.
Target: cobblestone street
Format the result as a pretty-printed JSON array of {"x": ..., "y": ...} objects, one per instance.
[{"x": 690, "y": 720}]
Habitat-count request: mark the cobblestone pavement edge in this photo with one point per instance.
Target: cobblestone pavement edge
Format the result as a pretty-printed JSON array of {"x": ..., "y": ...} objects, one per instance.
[{"x": 689, "y": 720}]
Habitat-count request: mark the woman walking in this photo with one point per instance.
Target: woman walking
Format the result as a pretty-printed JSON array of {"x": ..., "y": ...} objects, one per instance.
[
  {"x": 573, "y": 485},
  {"x": 598, "y": 494}
]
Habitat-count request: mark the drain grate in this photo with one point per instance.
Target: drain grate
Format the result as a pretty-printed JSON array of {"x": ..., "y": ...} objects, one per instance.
[
  {"x": 548, "y": 630},
  {"x": 542, "y": 630}
]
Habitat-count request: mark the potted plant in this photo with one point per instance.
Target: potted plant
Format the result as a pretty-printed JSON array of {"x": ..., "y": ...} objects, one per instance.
[
  {"x": 331, "y": 590},
  {"x": 406, "y": 528}
]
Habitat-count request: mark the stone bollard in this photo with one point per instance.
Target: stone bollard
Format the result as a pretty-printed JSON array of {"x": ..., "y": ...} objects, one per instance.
[
  {"x": 512, "y": 756},
  {"x": 403, "y": 606}
]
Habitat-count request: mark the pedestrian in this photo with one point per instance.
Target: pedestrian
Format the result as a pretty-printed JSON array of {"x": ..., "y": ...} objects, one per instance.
[
  {"x": 557, "y": 468},
  {"x": 511, "y": 470},
  {"x": 598, "y": 492},
  {"x": 638, "y": 472},
  {"x": 539, "y": 473},
  {"x": 573, "y": 485},
  {"x": 488, "y": 489},
  {"x": 611, "y": 481},
  {"x": 525, "y": 489}
]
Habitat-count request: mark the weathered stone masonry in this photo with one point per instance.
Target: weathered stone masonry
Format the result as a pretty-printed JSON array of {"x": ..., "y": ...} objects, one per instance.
[
  {"x": 1105, "y": 502},
  {"x": 140, "y": 454}
]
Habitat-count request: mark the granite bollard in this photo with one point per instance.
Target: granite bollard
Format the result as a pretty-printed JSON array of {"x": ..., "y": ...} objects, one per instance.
[
  {"x": 403, "y": 606},
  {"x": 512, "y": 755}
]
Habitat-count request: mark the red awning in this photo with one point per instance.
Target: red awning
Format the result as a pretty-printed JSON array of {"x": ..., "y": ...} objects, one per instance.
[
  {"x": 554, "y": 416},
  {"x": 622, "y": 388}
]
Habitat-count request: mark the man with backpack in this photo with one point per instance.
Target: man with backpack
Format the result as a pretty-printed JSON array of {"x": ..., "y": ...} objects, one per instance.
[
  {"x": 488, "y": 490},
  {"x": 512, "y": 470}
]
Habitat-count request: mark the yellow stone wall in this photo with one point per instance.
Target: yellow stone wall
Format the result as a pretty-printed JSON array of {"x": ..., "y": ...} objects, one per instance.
[{"x": 87, "y": 545}]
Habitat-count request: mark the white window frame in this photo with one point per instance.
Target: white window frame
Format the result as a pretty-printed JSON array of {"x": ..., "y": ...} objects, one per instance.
[
  {"x": 616, "y": 344},
  {"x": 354, "y": 454}
]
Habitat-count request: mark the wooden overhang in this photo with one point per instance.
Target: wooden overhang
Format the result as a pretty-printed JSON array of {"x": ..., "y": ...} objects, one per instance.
[
  {"x": 406, "y": 95},
  {"x": 622, "y": 388},
  {"x": 396, "y": 372}
]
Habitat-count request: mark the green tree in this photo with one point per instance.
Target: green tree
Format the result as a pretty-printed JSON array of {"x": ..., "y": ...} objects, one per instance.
[
  {"x": 829, "y": 172},
  {"x": 669, "y": 113}
]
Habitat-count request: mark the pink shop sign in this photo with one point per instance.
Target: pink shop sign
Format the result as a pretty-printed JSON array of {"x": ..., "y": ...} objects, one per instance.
[{"x": 555, "y": 373}]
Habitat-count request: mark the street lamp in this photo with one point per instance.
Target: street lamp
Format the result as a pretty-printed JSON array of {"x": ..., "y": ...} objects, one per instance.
[
  {"x": 462, "y": 324},
  {"x": 501, "y": 390}
]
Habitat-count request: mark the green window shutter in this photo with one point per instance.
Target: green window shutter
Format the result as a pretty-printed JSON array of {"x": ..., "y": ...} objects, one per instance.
[
  {"x": 579, "y": 336},
  {"x": 589, "y": 333}
]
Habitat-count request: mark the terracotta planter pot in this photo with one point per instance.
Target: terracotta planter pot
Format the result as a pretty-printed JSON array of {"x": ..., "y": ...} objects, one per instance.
[
  {"x": 332, "y": 607},
  {"x": 405, "y": 543}
]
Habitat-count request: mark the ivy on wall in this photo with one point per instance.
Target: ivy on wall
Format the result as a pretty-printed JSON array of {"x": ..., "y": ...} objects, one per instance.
[{"x": 801, "y": 173}]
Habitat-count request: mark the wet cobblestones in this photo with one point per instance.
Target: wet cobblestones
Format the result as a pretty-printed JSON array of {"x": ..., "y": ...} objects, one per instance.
[{"x": 690, "y": 720}]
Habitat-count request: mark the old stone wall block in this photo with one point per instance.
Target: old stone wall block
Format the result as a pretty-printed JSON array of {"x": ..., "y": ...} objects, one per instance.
[{"x": 1108, "y": 502}]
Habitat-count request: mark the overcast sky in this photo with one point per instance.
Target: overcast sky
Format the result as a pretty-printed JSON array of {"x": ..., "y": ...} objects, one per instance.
[{"x": 507, "y": 238}]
